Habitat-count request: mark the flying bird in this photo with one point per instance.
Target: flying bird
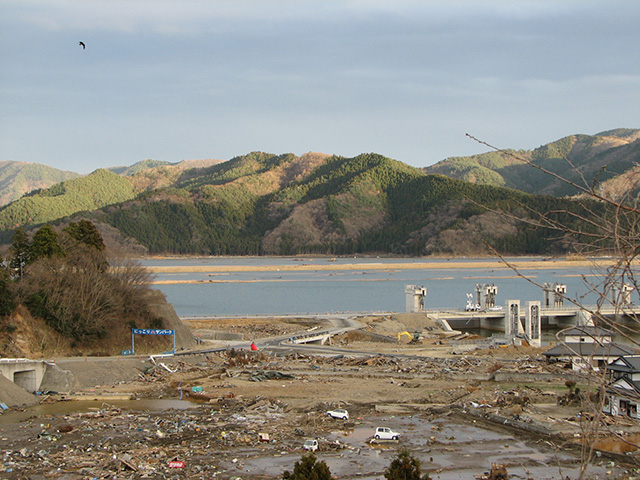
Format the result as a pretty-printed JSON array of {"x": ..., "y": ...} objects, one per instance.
[{"x": 82, "y": 45}]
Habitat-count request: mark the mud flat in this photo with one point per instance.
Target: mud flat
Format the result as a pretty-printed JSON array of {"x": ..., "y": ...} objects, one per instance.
[{"x": 311, "y": 266}]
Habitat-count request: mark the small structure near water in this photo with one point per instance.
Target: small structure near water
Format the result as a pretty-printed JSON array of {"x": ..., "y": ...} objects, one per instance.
[
  {"x": 414, "y": 298},
  {"x": 554, "y": 294},
  {"x": 587, "y": 346},
  {"x": 486, "y": 295}
]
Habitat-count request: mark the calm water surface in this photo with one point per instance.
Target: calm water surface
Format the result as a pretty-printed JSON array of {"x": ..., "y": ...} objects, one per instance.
[{"x": 323, "y": 291}]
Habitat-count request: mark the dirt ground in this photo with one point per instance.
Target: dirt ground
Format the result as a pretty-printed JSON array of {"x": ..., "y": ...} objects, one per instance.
[{"x": 250, "y": 411}]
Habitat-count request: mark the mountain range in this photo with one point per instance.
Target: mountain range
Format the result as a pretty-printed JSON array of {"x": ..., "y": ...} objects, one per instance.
[
  {"x": 263, "y": 203},
  {"x": 578, "y": 158},
  {"x": 18, "y": 178}
]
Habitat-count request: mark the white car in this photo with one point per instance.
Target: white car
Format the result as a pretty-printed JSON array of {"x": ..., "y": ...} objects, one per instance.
[
  {"x": 339, "y": 413},
  {"x": 310, "y": 445},
  {"x": 384, "y": 433}
]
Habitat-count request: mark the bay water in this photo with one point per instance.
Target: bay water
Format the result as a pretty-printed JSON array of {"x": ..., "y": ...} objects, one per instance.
[{"x": 360, "y": 290}]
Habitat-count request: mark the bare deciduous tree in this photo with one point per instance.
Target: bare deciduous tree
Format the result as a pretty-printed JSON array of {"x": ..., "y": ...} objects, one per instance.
[
  {"x": 606, "y": 224},
  {"x": 82, "y": 296}
]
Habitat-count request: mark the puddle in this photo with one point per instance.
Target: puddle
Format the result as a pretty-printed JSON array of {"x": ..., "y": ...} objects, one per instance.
[
  {"x": 342, "y": 463},
  {"x": 358, "y": 434},
  {"x": 447, "y": 448},
  {"x": 416, "y": 431},
  {"x": 83, "y": 406}
]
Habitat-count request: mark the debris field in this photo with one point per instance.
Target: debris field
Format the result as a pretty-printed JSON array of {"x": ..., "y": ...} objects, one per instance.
[{"x": 242, "y": 414}]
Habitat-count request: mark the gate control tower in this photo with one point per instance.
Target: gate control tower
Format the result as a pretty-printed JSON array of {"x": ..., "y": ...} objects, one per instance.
[
  {"x": 554, "y": 294},
  {"x": 621, "y": 294},
  {"x": 486, "y": 295},
  {"x": 414, "y": 296}
]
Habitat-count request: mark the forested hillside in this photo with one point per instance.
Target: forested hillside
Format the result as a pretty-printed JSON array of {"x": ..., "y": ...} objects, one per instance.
[
  {"x": 262, "y": 203},
  {"x": 582, "y": 159},
  {"x": 151, "y": 167},
  {"x": 62, "y": 293},
  {"x": 18, "y": 178},
  {"x": 85, "y": 193},
  {"x": 137, "y": 167},
  {"x": 282, "y": 204}
]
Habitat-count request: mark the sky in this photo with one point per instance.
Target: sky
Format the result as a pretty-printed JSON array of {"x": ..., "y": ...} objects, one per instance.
[{"x": 194, "y": 79}]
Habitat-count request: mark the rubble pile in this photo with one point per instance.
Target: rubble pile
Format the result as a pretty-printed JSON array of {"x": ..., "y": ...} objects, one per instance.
[
  {"x": 109, "y": 442},
  {"x": 248, "y": 405},
  {"x": 462, "y": 375},
  {"x": 250, "y": 328},
  {"x": 497, "y": 472}
]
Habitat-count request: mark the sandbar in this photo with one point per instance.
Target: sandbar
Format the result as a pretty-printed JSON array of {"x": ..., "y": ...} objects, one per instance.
[{"x": 413, "y": 265}]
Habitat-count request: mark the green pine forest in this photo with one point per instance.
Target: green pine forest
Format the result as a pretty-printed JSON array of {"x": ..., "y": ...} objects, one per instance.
[
  {"x": 577, "y": 158},
  {"x": 267, "y": 204}
]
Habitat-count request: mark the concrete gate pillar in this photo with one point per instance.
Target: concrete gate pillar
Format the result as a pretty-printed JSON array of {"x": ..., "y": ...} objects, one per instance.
[
  {"x": 512, "y": 324},
  {"x": 533, "y": 324}
]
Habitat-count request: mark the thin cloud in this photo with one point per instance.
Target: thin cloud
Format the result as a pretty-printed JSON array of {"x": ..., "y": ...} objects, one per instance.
[{"x": 407, "y": 78}]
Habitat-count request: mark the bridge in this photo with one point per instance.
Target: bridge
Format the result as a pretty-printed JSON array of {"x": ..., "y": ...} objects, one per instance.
[
  {"x": 490, "y": 319},
  {"x": 559, "y": 316},
  {"x": 23, "y": 372},
  {"x": 320, "y": 337}
]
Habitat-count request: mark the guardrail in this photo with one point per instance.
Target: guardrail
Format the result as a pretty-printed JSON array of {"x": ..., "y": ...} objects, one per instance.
[
  {"x": 347, "y": 313},
  {"x": 452, "y": 310},
  {"x": 311, "y": 337}
]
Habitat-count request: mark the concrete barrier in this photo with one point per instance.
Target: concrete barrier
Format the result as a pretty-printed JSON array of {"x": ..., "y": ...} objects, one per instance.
[{"x": 23, "y": 372}]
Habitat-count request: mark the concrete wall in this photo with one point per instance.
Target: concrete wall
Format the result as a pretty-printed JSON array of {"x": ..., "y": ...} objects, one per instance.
[{"x": 23, "y": 372}]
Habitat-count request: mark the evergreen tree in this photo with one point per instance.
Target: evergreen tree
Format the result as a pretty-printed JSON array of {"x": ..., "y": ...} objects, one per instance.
[
  {"x": 405, "y": 467},
  {"x": 45, "y": 244},
  {"x": 19, "y": 249},
  {"x": 86, "y": 232},
  {"x": 7, "y": 303},
  {"x": 308, "y": 469}
]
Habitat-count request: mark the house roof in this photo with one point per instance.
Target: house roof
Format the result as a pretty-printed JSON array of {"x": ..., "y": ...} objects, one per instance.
[
  {"x": 632, "y": 389},
  {"x": 625, "y": 364},
  {"x": 587, "y": 331},
  {"x": 588, "y": 349}
]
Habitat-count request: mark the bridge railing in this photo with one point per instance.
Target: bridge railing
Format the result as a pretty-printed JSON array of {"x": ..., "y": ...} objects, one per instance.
[
  {"x": 18, "y": 360},
  {"x": 594, "y": 308},
  {"x": 307, "y": 336}
]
